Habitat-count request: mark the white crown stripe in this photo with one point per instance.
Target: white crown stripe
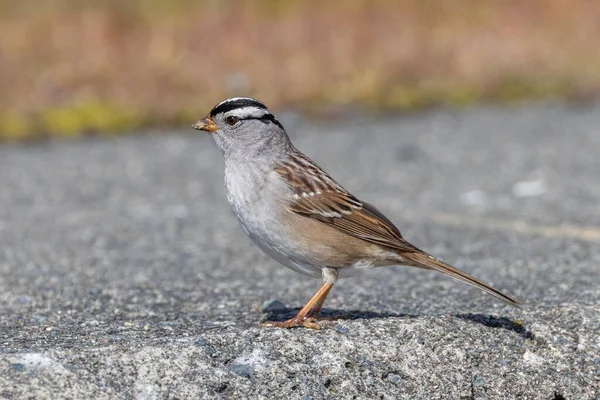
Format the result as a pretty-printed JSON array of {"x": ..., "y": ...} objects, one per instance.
[
  {"x": 234, "y": 99},
  {"x": 248, "y": 112}
]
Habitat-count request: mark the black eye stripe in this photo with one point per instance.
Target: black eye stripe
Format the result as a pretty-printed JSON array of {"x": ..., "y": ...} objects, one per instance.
[
  {"x": 267, "y": 118},
  {"x": 271, "y": 118}
]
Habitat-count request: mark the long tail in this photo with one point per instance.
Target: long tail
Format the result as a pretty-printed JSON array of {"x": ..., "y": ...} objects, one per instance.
[{"x": 424, "y": 260}]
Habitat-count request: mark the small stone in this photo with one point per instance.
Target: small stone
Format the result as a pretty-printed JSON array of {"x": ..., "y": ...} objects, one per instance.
[
  {"x": 19, "y": 367},
  {"x": 478, "y": 380},
  {"x": 208, "y": 350},
  {"x": 272, "y": 305},
  {"x": 243, "y": 370},
  {"x": 395, "y": 379},
  {"x": 341, "y": 329},
  {"x": 420, "y": 340}
]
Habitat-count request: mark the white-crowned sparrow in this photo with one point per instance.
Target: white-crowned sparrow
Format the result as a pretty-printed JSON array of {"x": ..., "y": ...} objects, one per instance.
[{"x": 299, "y": 215}]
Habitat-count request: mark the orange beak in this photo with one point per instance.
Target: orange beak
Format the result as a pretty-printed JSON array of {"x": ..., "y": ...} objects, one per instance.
[{"x": 205, "y": 124}]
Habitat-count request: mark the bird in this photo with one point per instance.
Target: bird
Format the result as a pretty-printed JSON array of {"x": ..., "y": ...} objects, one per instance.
[{"x": 299, "y": 215}]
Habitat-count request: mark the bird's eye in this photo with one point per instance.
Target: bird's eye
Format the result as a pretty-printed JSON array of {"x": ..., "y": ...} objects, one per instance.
[{"x": 231, "y": 120}]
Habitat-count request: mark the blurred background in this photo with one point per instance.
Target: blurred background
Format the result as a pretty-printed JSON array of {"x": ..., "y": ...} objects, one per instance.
[{"x": 75, "y": 67}]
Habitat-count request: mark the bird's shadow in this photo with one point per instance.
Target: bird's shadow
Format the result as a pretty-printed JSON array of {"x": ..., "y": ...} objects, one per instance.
[
  {"x": 337, "y": 314},
  {"x": 497, "y": 322}
]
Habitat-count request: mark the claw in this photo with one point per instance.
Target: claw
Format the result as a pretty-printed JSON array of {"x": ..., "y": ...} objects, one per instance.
[
  {"x": 311, "y": 323},
  {"x": 305, "y": 317}
]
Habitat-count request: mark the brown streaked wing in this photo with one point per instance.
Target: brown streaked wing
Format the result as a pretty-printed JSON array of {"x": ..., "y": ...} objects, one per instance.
[{"x": 319, "y": 197}]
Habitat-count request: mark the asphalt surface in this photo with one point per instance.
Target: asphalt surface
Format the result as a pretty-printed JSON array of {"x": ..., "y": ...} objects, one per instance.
[{"x": 123, "y": 273}]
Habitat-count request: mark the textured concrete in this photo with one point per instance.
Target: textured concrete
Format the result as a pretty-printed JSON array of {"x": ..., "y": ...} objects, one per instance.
[{"x": 123, "y": 273}]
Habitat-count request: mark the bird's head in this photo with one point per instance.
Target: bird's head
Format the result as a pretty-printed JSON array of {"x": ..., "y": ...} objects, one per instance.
[{"x": 243, "y": 124}]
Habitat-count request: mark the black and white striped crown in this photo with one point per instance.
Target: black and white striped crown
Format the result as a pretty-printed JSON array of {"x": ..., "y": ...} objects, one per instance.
[
  {"x": 237, "y": 103},
  {"x": 244, "y": 108}
]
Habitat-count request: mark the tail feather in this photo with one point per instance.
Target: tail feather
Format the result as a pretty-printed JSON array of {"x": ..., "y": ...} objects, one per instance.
[{"x": 424, "y": 260}]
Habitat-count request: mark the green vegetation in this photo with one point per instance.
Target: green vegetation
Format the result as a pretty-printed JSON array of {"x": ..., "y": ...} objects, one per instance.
[{"x": 73, "y": 67}]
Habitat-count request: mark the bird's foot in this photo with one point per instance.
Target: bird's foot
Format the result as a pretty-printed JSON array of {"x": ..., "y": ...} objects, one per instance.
[{"x": 297, "y": 321}]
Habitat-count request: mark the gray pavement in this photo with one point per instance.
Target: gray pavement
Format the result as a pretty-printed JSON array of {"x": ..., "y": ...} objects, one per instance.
[{"x": 123, "y": 273}]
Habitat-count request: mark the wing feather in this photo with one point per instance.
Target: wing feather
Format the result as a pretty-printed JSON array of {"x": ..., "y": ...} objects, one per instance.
[{"x": 318, "y": 196}]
